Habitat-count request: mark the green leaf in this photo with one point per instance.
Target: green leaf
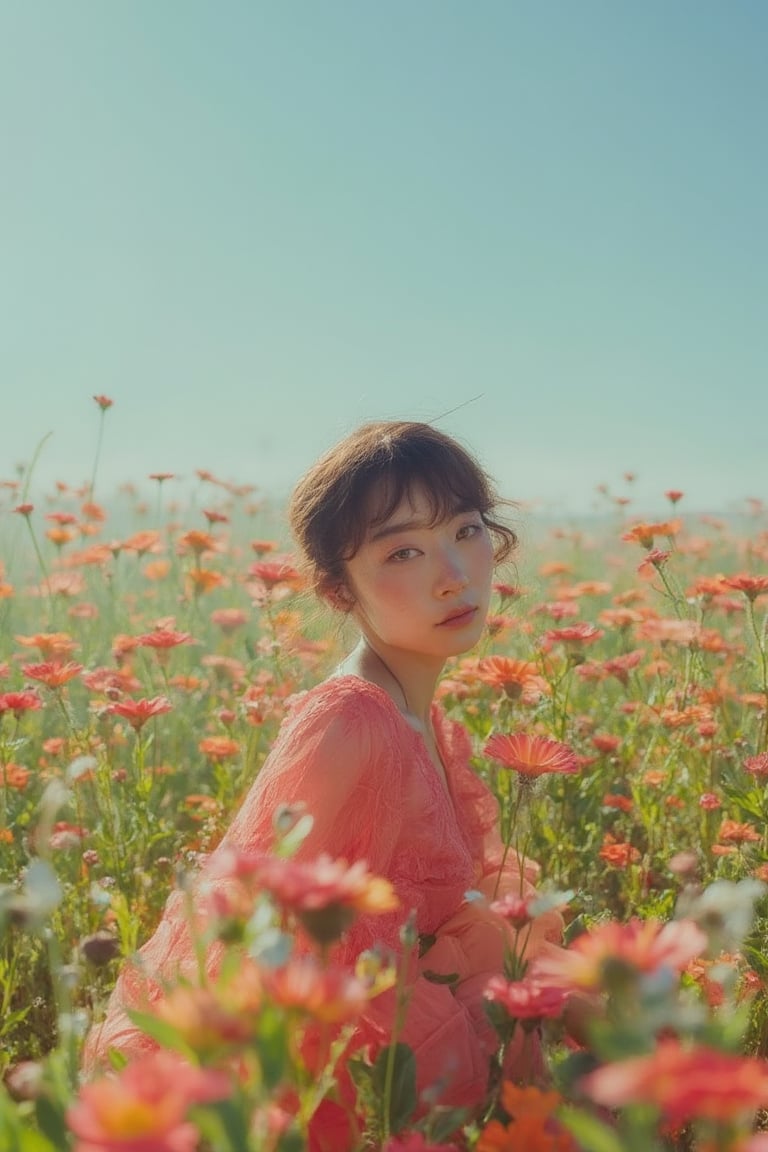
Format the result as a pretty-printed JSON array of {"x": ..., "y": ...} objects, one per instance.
[
  {"x": 51, "y": 1122},
  {"x": 439, "y": 978},
  {"x": 591, "y": 1133},
  {"x": 273, "y": 1047},
  {"x": 445, "y": 1122},
  {"x": 402, "y": 1102}
]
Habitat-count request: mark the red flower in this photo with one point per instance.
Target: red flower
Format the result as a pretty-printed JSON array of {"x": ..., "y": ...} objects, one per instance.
[
  {"x": 683, "y": 1084},
  {"x": 531, "y": 755},
  {"x": 751, "y": 586},
  {"x": 103, "y": 402},
  {"x": 272, "y": 572},
  {"x": 581, "y": 633},
  {"x": 137, "y": 712},
  {"x": 18, "y": 702},
  {"x": 52, "y": 673},
  {"x": 673, "y": 495},
  {"x": 162, "y": 638},
  {"x": 526, "y": 999},
  {"x": 619, "y": 855}
]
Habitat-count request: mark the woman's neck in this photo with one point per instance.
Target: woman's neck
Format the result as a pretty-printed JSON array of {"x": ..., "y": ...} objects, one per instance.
[{"x": 411, "y": 683}]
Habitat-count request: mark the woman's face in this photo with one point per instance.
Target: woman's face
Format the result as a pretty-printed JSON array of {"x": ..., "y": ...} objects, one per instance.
[{"x": 419, "y": 588}]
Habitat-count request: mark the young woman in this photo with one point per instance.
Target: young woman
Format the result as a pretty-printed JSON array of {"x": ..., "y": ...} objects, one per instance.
[{"x": 397, "y": 529}]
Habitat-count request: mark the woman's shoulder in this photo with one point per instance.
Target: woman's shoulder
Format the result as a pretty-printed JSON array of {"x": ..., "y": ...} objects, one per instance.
[
  {"x": 343, "y": 692},
  {"x": 346, "y": 704}
]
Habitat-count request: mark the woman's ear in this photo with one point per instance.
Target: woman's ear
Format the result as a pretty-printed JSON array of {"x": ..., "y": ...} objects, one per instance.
[{"x": 339, "y": 597}]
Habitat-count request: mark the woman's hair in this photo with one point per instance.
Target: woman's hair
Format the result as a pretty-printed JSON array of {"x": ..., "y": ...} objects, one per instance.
[{"x": 360, "y": 482}]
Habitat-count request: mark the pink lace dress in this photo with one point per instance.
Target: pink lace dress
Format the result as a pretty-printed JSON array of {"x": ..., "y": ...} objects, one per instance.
[{"x": 347, "y": 753}]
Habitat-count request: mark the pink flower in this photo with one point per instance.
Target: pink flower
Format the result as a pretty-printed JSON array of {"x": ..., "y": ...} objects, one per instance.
[
  {"x": 683, "y": 1083},
  {"x": 645, "y": 945},
  {"x": 144, "y": 1108},
  {"x": 525, "y": 999}
]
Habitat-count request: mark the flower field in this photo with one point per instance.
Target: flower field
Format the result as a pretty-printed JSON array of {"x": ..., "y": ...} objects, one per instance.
[{"x": 619, "y": 710}]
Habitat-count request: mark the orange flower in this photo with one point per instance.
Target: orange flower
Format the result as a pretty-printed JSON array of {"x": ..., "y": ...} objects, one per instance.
[
  {"x": 157, "y": 569},
  {"x": 683, "y": 1083},
  {"x": 14, "y": 776},
  {"x": 144, "y": 1106},
  {"x": 52, "y": 645},
  {"x": 532, "y": 1125},
  {"x": 204, "y": 580},
  {"x": 734, "y": 833},
  {"x": 619, "y": 855},
  {"x": 141, "y": 542},
  {"x": 751, "y": 586},
  {"x": 644, "y": 534},
  {"x": 519, "y": 679},
  {"x": 52, "y": 673},
  {"x": 162, "y": 638},
  {"x": 331, "y": 995},
  {"x": 531, "y": 755},
  {"x": 103, "y": 402},
  {"x": 263, "y": 547},
  {"x": 219, "y": 747},
  {"x": 645, "y": 945},
  {"x": 197, "y": 542},
  {"x": 137, "y": 712}
]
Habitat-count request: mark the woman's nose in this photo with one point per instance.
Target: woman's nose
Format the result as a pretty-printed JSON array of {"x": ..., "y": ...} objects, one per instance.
[{"x": 452, "y": 576}]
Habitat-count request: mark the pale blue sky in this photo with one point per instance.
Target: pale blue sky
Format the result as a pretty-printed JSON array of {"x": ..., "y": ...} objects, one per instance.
[{"x": 256, "y": 224}]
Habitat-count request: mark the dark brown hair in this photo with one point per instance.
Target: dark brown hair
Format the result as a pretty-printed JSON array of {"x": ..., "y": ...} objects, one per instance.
[{"x": 361, "y": 481}]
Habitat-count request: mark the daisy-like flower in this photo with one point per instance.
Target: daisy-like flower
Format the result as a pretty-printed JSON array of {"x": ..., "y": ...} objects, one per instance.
[
  {"x": 580, "y": 633},
  {"x": 757, "y": 765},
  {"x": 324, "y": 893},
  {"x": 332, "y": 995},
  {"x": 144, "y": 1107},
  {"x": 751, "y": 586},
  {"x": 526, "y": 999},
  {"x": 683, "y": 1083},
  {"x": 18, "y": 702},
  {"x": 519, "y": 679},
  {"x": 219, "y": 747},
  {"x": 52, "y": 673},
  {"x": 645, "y": 945},
  {"x": 137, "y": 712},
  {"x": 531, "y": 755}
]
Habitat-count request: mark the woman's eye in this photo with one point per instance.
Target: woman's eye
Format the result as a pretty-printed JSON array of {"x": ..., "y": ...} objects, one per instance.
[
  {"x": 402, "y": 554},
  {"x": 467, "y": 530}
]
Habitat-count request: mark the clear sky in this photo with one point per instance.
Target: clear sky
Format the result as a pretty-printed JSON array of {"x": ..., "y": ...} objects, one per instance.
[{"x": 254, "y": 225}]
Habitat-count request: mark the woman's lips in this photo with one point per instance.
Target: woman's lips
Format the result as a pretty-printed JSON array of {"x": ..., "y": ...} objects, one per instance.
[{"x": 458, "y": 619}]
